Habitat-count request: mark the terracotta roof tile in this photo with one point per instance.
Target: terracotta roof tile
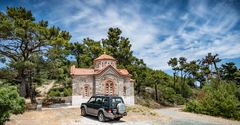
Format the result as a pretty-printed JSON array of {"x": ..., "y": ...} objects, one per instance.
[
  {"x": 104, "y": 56},
  {"x": 81, "y": 71},
  {"x": 86, "y": 71},
  {"x": 123, "y": 71}
]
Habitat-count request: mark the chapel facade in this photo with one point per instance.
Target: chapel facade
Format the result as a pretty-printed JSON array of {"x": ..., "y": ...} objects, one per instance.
[{"x": 104, "y": 78}]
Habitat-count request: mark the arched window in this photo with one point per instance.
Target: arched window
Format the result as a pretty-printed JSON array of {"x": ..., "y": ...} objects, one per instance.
[
  {"x": 124, "y": 91},
  {"x": 86, "y": 91},
  {"x": 109, "y": 88}
]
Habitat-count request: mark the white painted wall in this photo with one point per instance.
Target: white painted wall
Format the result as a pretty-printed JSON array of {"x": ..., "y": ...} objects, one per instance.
[
  {"x": 78, "y": 100},
  {"x": 128, "y": 100}
]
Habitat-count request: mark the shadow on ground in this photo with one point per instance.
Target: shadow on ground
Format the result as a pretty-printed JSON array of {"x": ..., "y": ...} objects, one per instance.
[{"x": 107, "y": 121}]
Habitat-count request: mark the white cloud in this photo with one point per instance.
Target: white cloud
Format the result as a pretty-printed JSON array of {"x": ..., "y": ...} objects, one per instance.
[
  {"x": 89, "y": 22},
  {"x": 214, "y": 34},
  {"x": 156, "y": 38}
]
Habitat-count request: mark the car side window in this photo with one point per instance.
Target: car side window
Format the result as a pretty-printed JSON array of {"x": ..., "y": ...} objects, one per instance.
[
  {"x": 92, "y": 100},
  {"x": 115, "y": 101},
  {"x": 105, "y": 101},
  {"x": 99, "y": 100}
]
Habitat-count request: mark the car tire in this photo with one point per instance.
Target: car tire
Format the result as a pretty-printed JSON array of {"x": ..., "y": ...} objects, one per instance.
[
  {"x": 83, "y": 112},
  {"x": 101, "y": 117},
  {"x": 117, "y": 119}
]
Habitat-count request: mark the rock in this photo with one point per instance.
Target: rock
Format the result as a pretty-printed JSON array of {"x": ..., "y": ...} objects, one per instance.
[{"x": 39, "y": 107}]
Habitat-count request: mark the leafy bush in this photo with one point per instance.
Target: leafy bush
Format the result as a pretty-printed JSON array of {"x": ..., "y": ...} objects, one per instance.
[
  {"x": 168, "y": 95},
  {"x": 67, "y": 91},
  {"x": 54, "y": 93},
  {"x": 217, "y": 101},
  {"x": 238, "y": 93},
  {"x": 10, "y": 102},
  {"x": 52, "y": 100},
  {"x": 59, "y": 92},
  {"x": 178, "y": 99},
  {"x": 183, "y": 89}
]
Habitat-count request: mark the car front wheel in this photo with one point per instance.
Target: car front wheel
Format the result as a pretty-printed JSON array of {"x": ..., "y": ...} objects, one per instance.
[
  {"x": 101, "y": 117},
  {"x": 83, "y": 111}
]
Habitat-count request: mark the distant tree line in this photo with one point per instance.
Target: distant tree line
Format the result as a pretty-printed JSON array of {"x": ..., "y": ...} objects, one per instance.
[
  {"x": 203, "y": 70},
  {"x": 219, "y": 92}
]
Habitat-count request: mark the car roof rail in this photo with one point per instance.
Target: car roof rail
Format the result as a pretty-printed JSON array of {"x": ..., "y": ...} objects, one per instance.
[{"x": 105, "y": 95}]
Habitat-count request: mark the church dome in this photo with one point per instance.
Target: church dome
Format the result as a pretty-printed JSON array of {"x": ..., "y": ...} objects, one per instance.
[
  {"x": 103, "y": 61},
  {"x": 104, "y": 57}
]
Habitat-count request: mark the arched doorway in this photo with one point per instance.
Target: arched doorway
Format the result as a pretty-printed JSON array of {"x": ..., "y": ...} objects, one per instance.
[{"x": 109, "y": 87}]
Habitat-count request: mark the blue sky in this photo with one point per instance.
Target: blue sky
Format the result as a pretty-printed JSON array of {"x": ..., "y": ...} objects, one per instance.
[{"x": 158, "y": 30}]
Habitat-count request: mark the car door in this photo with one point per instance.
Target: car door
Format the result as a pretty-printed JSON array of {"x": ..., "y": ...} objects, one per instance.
[
  {"x": 97, "y": 105},
  {"x": 90, "y": 105}
]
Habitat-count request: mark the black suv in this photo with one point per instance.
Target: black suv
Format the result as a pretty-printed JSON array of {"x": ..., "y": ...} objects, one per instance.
[{"x": 104, "y": 107}]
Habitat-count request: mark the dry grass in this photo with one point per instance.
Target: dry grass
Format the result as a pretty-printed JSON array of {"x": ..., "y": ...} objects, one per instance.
[
  {"x": 141, "y": 109},
  {"x": 148, "y": 102}
]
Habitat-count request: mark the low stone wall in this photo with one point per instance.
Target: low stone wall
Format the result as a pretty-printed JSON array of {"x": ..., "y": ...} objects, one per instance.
[
  {"x": 129, "y": 100},
  {"x": 57, "y": 100},
  {"x": 78, "y": 100}
]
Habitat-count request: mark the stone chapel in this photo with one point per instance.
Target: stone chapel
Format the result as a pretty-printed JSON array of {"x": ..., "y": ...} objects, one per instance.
[{"x": 104, "y": 78}]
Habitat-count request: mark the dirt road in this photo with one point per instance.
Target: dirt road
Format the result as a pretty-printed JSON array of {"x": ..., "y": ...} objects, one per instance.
[{"x": 184, "y": 118}]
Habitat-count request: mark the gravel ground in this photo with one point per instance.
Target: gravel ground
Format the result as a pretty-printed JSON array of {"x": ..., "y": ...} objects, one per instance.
[
  {"x": 71, "y": 116},
  {"x": 184, "y": 118}
]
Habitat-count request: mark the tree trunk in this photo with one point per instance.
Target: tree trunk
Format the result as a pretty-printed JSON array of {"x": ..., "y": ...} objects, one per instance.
[
  {"x": 138, "y": 88},
  {"x": 78, "y": 62},
  {"x": 32, "y": 94},
  {"x": 182, "y": 86},
  {"x": 156, "y": 92},
  {"x": 23, "y": 87},
  {"x": 181, "y": 78},
  {"x": 184, "y": 79},
  {"x": 218, "y": 74},
  {"x": 174, "y": 77}
]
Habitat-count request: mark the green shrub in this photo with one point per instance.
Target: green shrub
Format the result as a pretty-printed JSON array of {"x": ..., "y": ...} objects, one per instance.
[
  {"x": 54, "y": 93},
  {"x": 168, "y": 95},
  {"x": 178, "y": 99},
  {"x": 238, "y": 93},
  {"x": 67, "y": 92},
  {"x": 217, "y": 101},
  {"x": 10, "y": 102},
  {"x": 59, "y": 92}
]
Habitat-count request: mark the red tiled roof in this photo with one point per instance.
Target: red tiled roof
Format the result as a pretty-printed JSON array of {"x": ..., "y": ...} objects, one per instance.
[
  {"x": 81, "y": 71},
  {"x": 85, "y": 71},
  {"x": 123, "y": 71},
  {"x": 104, "y": 56}
]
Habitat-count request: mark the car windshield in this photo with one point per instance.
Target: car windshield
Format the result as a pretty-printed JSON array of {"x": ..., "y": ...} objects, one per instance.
[
  {"x": 116, "y": 100},
  {"x": 92, "y": 100}
]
